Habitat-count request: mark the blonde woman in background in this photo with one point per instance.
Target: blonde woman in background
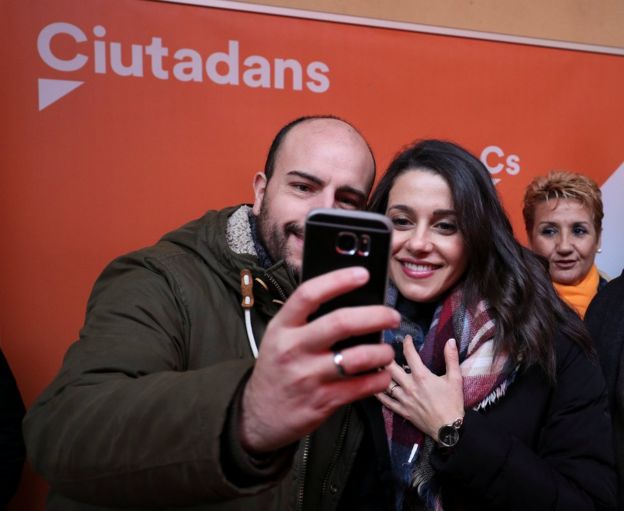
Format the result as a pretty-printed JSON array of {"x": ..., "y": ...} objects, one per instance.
[{"x": 563, "y": 218}]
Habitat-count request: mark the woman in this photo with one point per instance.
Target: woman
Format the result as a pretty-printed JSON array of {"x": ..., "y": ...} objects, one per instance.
[
  {"x": 563, "y": 219},
  {"x": 495, "y": 402}
]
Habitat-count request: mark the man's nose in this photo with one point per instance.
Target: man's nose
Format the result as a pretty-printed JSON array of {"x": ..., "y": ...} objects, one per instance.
[{"x": 327, "y": 200}]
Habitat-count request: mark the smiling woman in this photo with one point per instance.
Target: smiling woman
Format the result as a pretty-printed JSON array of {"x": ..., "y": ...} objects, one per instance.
[
  {"x": 428, "y": 250},
  {"x": 563, "y": 218},
  {"x": 488, "y": 358}
]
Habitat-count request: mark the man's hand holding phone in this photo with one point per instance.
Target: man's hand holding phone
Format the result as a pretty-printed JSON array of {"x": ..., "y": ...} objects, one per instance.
[{"x": 296, "y": 384}]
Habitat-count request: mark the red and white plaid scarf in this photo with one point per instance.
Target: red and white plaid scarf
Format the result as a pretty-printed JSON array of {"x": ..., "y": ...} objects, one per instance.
[{"x": 485, "y": 380}]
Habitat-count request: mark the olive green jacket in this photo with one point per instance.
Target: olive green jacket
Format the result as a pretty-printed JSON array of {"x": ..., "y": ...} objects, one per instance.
[{"x": 137, "y": 417}]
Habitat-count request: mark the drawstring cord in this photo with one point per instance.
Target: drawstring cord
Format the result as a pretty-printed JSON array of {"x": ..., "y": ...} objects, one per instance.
[{"x": 247, "y": 304}]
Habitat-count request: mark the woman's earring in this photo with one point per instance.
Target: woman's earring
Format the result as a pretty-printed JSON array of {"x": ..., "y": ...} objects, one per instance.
[{"x": 599, "y": 250}]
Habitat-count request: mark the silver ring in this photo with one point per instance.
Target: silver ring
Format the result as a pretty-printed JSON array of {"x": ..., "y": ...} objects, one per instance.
[
  {"x": 338, "y": 359},
  {"x": 391, "y": 389}
]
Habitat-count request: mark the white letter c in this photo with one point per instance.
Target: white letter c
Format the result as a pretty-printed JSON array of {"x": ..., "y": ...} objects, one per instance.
[
  {"x": 484, "y": 156},
  {"x": 43, "y": 45}
]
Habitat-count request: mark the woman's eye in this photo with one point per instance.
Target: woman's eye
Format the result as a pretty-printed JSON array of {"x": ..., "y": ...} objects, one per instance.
[
  {"x": 548, "y": 231},
  {"x": 399, "y": 221},
  {"x": 446, "y": 227},
  {"x": 579, "y": 231}
]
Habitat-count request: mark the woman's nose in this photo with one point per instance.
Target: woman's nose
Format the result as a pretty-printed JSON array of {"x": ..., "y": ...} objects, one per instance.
[
  {"x": 419, "y": 242},
  {"x": 563, "y": 244}
]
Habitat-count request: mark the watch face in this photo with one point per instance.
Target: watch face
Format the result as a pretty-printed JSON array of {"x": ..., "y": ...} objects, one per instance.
[{"x": 448, "y": 436}]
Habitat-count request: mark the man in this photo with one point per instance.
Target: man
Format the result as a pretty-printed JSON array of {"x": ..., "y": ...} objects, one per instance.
[
  {"x": 605, "y": 322},
  {"x": 160, "y": 403}
]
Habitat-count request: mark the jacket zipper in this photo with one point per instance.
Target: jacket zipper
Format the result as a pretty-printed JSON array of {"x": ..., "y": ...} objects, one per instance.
[
  {"x": 306, "y": 440},
  {"x": 302, "y": 472},
  {"x": 278, "y": 288},
  {"x": 338, "y": 451}
]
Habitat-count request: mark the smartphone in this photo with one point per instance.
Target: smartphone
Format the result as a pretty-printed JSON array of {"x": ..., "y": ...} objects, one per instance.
[{"x": 337, "y": 238}]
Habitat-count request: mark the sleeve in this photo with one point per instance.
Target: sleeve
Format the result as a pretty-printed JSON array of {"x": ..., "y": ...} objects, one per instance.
[
  {"x": 12, "y": 451},
  {"x": 126, "y": 422},
  {"x": 605, "y": 322},
  {"x": 570, "y": 469}
]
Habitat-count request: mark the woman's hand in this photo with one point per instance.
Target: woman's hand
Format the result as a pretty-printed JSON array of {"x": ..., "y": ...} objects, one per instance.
[{"x": 426, "y": 400}]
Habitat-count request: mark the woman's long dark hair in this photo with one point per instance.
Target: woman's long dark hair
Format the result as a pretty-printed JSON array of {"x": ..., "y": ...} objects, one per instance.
[{"x": 510, "y": 277}]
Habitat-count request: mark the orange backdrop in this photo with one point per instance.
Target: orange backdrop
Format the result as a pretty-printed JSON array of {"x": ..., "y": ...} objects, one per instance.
[{"x": 117, "y": 161}]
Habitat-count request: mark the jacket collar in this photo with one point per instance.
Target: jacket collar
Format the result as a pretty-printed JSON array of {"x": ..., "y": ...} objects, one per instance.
[{"x": 272, "y": 284}]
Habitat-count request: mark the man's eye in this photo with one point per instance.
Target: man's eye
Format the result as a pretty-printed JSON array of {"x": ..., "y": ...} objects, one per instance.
[
  {"x": 349, "y": 203},
  {"x": 301, "y": 187}
]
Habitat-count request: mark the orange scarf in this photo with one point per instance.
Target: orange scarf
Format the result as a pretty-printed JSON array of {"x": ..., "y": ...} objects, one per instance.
[{"x": 579, "y": 295}]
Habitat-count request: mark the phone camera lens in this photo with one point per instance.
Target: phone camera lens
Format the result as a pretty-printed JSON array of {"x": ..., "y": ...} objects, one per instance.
[
  {"x": 365, "y": 245},
  {"x": 346, "y": 243}
]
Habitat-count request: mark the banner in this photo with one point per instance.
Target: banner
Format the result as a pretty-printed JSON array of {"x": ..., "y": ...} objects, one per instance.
[{"x": 125, "y": 119}]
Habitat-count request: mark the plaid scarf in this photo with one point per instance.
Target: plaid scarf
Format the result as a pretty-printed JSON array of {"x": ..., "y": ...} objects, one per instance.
[{"x": 485, "y": 381}]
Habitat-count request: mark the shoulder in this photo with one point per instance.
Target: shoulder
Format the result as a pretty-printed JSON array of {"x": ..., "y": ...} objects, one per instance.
[
  {"x": 578, "y": 371},
  {"x": 606, "y": 311},
  {"x": 567, "y": 351},
  {"x": 182, "y": 251},
  {"x": 610, "y": 293},
  {"x": 603, "y": 279},
  {"x": 202, "y": 239},
  {"x": 605, "y": 322}
]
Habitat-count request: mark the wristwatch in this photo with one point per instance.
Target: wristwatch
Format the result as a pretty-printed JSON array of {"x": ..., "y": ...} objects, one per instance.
[{"x": 448, "y": 435}]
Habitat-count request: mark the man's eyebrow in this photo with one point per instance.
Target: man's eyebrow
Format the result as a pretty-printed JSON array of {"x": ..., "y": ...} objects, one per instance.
[
  {"x": 343, "y": 189},
  {"x": 307, "y": 176}
]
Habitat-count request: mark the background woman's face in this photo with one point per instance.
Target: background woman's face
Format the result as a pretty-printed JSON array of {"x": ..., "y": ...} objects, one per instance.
[
  {"x": 564, "y": 233},
  {"x": 428, "y": 251}
]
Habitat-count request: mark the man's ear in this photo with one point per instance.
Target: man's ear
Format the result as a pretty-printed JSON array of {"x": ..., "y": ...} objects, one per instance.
[{"x": 259, "y": 186}]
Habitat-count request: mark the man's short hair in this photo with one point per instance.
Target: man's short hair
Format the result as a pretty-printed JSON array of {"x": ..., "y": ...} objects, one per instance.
[{"x": 269, "y": 166}]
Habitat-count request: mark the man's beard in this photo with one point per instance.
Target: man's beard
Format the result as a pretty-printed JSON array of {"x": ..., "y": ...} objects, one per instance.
[{"x": 274, "y": 237}]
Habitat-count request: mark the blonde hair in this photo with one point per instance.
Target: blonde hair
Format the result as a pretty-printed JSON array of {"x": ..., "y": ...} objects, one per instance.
[{"x": 559, "y": 185}]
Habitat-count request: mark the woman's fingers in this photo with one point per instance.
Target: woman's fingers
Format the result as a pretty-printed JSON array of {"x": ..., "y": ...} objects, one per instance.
[
  {"x": 411, "y": 355},
  {"x": 451, "y": 357}
]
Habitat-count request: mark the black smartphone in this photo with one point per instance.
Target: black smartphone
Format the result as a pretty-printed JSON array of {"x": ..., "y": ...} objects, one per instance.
[{"x": 337, "y": 238}]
